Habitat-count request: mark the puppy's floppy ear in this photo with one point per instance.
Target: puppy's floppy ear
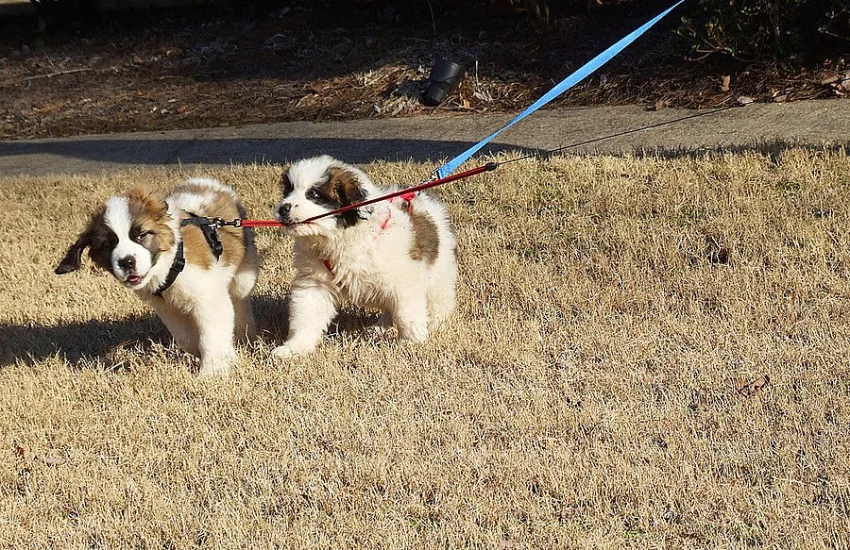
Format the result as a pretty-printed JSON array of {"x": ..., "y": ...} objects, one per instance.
[
  {"x": 348, "y": 190},
  {"x": 71, "y": 261},
  {"x": 346, "y": 186}
]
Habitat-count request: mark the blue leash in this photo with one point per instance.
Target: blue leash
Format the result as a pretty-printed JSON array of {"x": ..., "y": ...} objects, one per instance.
[{"x": 586, "y": 70}]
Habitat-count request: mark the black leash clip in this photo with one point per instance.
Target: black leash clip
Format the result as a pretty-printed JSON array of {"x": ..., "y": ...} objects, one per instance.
[{"x": 237, "y": 222}]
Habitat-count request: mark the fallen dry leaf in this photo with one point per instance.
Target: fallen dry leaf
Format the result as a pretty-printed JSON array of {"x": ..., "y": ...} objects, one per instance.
[
  {"x": 750, "y": 388},
  {"x": 830, "y": 77},
  {"x": 724, "y": 83}
]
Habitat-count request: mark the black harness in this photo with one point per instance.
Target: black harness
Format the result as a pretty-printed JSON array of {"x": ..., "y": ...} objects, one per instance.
[
  {"x": 176, "y": 267},
  {"x": 209, "y": 227}
]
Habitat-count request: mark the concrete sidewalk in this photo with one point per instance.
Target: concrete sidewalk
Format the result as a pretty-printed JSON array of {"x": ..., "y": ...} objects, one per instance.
[{"x": 430, "y": 139}]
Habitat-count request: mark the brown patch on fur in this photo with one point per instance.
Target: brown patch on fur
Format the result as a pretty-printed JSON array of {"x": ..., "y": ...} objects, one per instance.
[
  {"x": 195, "y": 248},
  {"x": 426, "y": 238},
  {"x": 146, "y": 203},
  {"x": 342, "y": 186},
  {"x": 341, "y": 189},
  {"x": 149, "y": 215},
  {"x": 234, "y": 240}
]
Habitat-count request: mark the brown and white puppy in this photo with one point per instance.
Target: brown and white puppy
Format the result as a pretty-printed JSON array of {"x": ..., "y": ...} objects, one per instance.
[
  {"x": 137, "y": 237},
  {"x": 396, "y": 256}
]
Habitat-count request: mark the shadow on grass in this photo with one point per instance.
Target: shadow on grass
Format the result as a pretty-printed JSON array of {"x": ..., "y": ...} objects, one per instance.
[
  {"x": 76, "y": 342},
  {"x": 272, "y": 315},
  {"x": 772, "y": 149},
  {"x": 88, "y": 341}
]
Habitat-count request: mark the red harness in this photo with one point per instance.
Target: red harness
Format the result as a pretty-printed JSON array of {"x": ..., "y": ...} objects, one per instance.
[{"x": 406, "y": 197}]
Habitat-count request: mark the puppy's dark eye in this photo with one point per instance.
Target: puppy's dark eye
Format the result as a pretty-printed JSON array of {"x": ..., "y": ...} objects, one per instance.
[
  {"x": 142, "y": 235},
  {"x": 312, "y": 194}
]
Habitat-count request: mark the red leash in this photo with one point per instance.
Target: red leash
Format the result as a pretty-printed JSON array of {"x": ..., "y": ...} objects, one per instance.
[
  {"x": 256, "y": 223},
  {"x": 489, "y": 167}
]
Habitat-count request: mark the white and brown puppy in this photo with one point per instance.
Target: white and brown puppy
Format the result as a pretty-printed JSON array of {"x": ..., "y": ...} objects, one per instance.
[
  {"x": 395, "y": 256},
  {"x": 138, "y": 238}
]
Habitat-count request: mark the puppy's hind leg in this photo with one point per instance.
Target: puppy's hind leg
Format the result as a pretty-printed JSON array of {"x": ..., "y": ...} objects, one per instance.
[
  {"x": 441, "y": 304},
  {"x": 410, "y": 315},
  {"x": 442, "y": 276},
  {"x": 311, "y": 309}
]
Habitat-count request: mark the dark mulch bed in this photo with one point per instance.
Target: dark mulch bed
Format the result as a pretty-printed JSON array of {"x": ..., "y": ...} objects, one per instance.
[{"x": 187, "y": 68}]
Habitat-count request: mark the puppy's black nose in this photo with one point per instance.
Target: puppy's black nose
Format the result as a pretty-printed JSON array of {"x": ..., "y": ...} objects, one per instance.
[
  {"x": 283, "y": 211},
  {"x": 127, "y": 262}
]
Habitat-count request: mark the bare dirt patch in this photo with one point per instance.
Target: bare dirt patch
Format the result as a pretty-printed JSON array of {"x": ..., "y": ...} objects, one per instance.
[{"x": 196, "y": 68}]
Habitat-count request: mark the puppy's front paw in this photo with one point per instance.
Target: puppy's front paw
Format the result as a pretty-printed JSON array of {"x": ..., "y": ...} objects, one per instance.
[
  {"x": 413, "y": 332},
  {"x": 218, "y": 366},
  {"x": 289, "y": 350},
  {"x": 282, "y": 352}
]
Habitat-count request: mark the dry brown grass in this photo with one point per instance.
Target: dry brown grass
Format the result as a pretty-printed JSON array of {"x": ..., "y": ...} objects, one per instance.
[{"x": 591, "y": 391}]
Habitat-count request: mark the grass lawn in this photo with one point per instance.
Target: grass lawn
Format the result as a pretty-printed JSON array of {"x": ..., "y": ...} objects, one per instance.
[{"x": 646, "y": 353}]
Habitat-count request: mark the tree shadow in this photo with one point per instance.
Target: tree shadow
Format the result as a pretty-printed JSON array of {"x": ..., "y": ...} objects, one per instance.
[
  {"x": 140, "y": 152},
  {"x": 773, "y": 149}
]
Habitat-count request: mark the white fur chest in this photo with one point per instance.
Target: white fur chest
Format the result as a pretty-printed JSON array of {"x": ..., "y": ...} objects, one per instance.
[{"x": 363, "y": 263}]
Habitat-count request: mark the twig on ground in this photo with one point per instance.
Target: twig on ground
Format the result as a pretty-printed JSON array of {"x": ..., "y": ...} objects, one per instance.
[{"x": 49, "y": 75}]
